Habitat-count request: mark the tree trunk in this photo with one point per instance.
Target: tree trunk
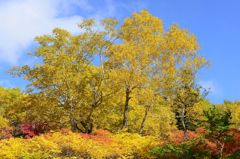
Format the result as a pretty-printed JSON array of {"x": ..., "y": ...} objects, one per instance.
[
  {"x": 184, "y": 127},
  {"x": 144, "y": 119},
  {"x": 73, "y": 125},
  {"x": 87, "y": 129},
  {"x": 126, "y": 108}
]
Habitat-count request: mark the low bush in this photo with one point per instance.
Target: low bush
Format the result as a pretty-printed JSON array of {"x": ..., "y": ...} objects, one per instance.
[{"x": 98, "y": 144}]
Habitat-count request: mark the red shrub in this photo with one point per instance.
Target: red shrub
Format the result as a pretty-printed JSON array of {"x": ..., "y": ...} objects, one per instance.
[{"x": 33, "y": 129}]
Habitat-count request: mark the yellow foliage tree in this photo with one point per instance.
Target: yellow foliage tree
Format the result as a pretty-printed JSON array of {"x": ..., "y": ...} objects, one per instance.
[
  {"x": 69, "y": 88},
  {"x": 132, "y": 76},
  {"x": 149, "y": 54}
]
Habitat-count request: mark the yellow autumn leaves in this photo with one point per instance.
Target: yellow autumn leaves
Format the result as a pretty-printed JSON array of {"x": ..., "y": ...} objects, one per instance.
[
  {"x": 128, "y": 87},
  {"x": 59, "y": 145}
]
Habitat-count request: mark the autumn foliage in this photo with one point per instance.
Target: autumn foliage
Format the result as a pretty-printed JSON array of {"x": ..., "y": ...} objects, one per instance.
[
  {"x": 141, "y": 101},
  {"x": 214, "y": 140},
  {"x": 68, "y": 144},
  {"x": 33, "y": 128}
]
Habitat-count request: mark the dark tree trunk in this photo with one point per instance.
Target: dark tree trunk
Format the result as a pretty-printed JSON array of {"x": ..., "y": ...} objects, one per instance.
[
  {"x": 126, "y": 108},
  {"x": 73, "y": 125},
  {"x": 87, "y": 127}
]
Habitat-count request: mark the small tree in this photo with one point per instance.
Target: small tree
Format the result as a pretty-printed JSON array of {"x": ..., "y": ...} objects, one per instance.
[
  {"x": 217, "y": 126},
  {"x": 186, "y": 94}
]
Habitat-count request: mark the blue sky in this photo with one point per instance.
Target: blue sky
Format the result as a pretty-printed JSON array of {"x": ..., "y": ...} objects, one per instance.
[{"x": 215, "y": 23}]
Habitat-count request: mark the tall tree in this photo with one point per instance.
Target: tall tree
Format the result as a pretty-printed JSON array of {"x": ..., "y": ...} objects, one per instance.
[
  {"x": 149, "y": 54},
  {"x": 65, "y": 80},
  {"x": 132, "y": 59},
  {"x": 68, "y": 89}
]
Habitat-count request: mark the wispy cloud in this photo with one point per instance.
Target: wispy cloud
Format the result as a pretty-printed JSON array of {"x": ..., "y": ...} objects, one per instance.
[{"x": 215, "y": 89}]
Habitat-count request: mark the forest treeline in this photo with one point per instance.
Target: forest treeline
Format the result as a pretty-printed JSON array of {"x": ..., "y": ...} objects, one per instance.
[{"x": 125, "y": 90}]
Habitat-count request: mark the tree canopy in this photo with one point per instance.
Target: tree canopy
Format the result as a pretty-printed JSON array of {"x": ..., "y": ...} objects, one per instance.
[{"x": 126, "y": 90}]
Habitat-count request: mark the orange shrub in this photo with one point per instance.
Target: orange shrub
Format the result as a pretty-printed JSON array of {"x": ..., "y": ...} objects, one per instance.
[
  {"x": 101, "y": 132},
  {"x": 178, "y": 136}
]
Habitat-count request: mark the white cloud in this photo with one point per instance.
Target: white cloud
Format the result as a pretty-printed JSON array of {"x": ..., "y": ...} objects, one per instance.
[
  {"x": 216, "y": 90},
  {"x": 21, "y": 21}
]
